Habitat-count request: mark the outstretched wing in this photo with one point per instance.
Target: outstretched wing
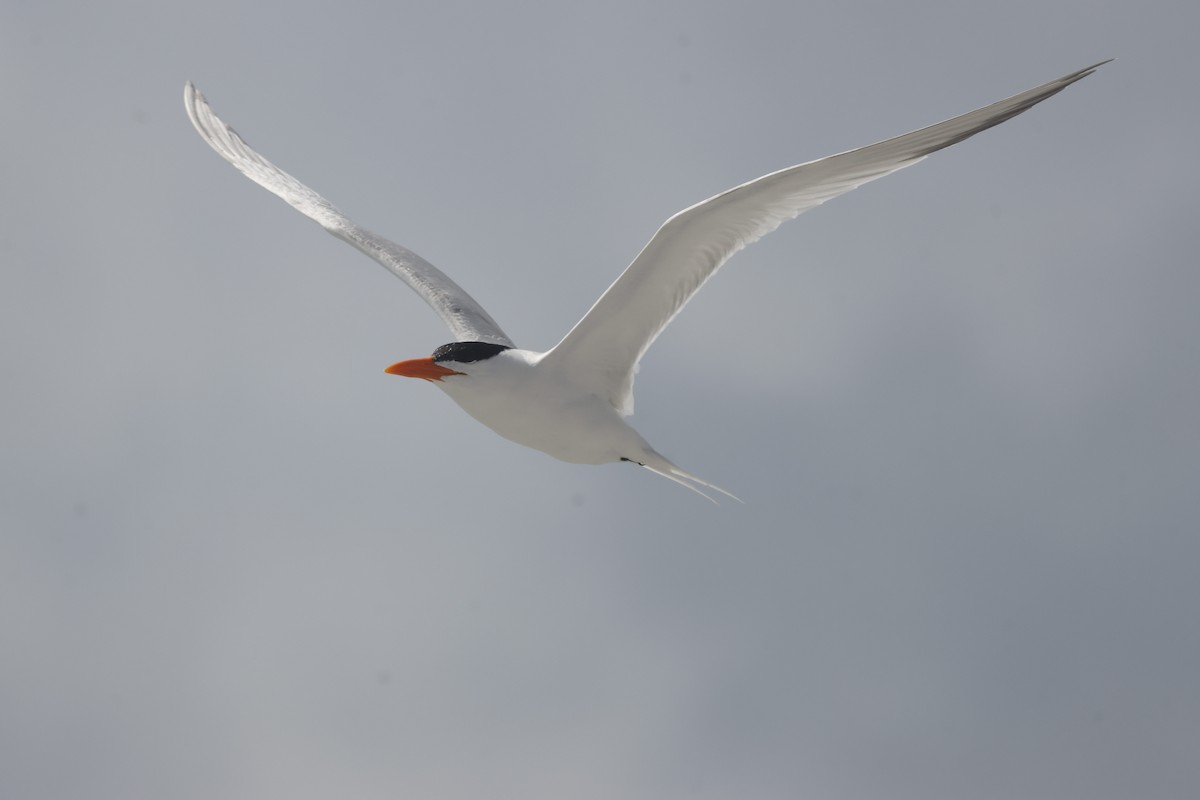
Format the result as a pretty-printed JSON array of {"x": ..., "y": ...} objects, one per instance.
[
  {"x": 601, "y": 352},
  {"x": 466, "y": 318}
]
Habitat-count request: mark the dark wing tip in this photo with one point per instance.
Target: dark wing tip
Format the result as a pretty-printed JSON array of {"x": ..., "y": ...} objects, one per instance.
[{"x": 1005, "y": 110}]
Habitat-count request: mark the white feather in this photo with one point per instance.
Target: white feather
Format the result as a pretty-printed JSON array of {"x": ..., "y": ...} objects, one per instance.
[
  {"x": 600, "y": 354},
  {"x": 467, "y": 320}
]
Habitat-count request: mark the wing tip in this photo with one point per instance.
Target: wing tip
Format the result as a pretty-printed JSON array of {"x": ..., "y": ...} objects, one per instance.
[
  {"x": 191, "y": 97},
  {"x": 204, "y": 119},
  {"x": 195, "y": 102},
  {"x": 1079, "y": 75},
  {"x": 1014, "y": 106}
]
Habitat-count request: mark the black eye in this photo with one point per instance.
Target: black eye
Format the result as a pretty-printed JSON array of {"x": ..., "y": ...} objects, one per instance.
[{"x": 467, "y": 352}]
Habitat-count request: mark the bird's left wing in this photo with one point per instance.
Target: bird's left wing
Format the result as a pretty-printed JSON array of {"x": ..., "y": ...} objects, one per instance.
[
  {"x": 600, "y": 354},
  {"x": 467, "y": 320}
]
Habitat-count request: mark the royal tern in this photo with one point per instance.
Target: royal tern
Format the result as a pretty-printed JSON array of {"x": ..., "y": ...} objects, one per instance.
[{"x": 571, "y": 401}]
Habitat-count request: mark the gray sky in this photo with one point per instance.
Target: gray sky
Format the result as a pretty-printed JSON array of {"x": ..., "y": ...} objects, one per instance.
[{"x": 237, "y": 560}]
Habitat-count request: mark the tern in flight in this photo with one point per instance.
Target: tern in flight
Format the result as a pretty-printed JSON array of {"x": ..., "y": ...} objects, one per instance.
[{"x": 571, "y": 401}]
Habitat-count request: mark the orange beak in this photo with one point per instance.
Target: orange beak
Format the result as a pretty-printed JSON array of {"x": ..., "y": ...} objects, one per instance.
[{"x": 421, "y": 368}]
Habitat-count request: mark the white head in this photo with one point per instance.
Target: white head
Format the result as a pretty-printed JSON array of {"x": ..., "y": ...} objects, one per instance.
[{"x": 455, "y": 358}]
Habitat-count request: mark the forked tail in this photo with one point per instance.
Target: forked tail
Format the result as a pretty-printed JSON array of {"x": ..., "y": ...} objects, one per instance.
[{"x": 654, "y": 462}]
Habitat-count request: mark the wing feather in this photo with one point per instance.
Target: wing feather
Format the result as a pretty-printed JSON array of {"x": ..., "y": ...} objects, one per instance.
[
  {"x": 466, "y": 318},
  {"x": 600, "y": 354}
]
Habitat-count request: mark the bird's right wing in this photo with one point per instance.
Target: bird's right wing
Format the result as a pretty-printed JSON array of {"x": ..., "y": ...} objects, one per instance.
[
  {"x": 467, "y": 320},
  {"x": 600, "y": 354}
]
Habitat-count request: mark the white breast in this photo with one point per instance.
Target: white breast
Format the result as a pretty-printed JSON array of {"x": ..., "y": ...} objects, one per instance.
[{"x": 537, "y": 407}]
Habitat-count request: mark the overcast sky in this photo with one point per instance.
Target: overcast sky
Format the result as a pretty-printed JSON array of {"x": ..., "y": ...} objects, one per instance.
[{"x": 962, "y": 405}]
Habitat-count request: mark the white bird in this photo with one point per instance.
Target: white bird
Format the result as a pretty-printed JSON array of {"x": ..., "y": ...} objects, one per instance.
[{"x": 571, "y": 401}]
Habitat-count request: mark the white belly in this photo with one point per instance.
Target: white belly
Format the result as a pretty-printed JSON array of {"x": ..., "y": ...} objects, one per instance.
[{"x": 535, "y": 409}]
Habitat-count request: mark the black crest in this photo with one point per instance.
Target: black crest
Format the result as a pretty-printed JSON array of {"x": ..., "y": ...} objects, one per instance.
[{"x": 467, "y": 352}]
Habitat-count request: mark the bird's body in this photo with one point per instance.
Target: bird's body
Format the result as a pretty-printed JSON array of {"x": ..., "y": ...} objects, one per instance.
[
  {"x": 570, "y": 424},
  {"x": 565, "y": 422},
  {"x": 516, "y": 394},
  {"x": 571, "y": 401}
]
